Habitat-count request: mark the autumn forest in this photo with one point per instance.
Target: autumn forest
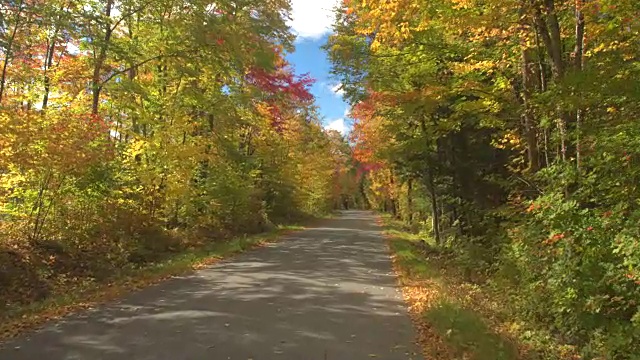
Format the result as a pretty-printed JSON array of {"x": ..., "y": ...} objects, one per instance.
[
  {"x": 133, "y": 130},
  {"x": 506, "y": 133},
  {"x": 502, "y": 134}
]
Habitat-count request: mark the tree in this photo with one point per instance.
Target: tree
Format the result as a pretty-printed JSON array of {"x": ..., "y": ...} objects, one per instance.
[
  {"x": 132, "y": 129},
  {"x": 490, "y": 108}
]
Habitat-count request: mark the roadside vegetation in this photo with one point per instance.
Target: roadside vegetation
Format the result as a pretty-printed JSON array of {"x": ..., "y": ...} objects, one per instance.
[
  {"x": 458, "y": 314},
  {"x": 505, "y": 134},
  {"x": 88, "y": 293}
]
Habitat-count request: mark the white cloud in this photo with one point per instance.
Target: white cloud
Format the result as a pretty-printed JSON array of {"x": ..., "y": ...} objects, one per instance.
[
  {"x": 312, "y": 18},
  {"x": 337, "y": 89},
  {"x": 337, "y": 125}
]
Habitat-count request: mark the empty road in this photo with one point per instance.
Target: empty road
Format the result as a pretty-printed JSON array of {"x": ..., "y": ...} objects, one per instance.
[{"x": 325, "y": 293}]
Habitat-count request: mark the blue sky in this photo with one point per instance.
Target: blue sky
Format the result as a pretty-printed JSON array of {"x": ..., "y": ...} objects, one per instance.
[{"x": 311, "y": 21}]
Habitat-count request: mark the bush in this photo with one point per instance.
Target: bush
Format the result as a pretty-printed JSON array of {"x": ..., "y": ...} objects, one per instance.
[{"x": 577, "y": 274}]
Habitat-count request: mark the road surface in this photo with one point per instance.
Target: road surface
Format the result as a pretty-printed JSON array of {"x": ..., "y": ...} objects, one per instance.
[{"x": 326, "y": 293}]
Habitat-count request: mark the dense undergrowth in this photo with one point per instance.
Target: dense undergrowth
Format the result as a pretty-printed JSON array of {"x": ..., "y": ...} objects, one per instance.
[
  {"x": 507, "y": 132},
  {"x": 464, "y": 314}
]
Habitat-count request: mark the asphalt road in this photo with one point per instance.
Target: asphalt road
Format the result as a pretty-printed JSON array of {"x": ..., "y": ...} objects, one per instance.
[{"x": 326, "y": 293}]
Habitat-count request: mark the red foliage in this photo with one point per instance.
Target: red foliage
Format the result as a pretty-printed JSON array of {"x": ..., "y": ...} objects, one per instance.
[
  {"x": 366, "y": 135},
  {"x": 282, "y": 82},
  {"x": 281, "y": 88}
]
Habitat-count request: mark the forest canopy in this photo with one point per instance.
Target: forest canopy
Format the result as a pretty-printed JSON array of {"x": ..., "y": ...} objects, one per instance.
[
  {"x": 506, "y": 133},
  {"x": 135, "y": 129}
]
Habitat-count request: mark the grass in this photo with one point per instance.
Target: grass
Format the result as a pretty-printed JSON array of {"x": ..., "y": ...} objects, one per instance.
[
  {"x": 468, "y": 332},
  {"x": 457, "y": 316},
  {"x": 454, "y": 318},
  {"x": 85, "y": 295}
]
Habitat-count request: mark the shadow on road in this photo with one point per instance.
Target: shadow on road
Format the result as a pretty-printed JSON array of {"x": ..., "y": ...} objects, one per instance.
[{"x": 325, "y": 293}]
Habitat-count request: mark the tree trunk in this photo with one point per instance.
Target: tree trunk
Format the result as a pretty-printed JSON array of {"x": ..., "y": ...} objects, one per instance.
[
  {"x": 409, "y": 201},
  {"x": 578, "y": 63},
  {"x": 394, "y": 204},
  {"x": 96, "y": 85},
  {"x": 530, "y": 127},
  {"x": 133, "y": 72},
  {"x": 549, "y": 30},
  {"x": 542, "y": 81},
  {"x": 554, "y": 41},
  {"x": 7, "y": 54},
  {"x": 48, "y": 63},
  {"x": 546, "y": 147},
  {"x": 528, "y": 84},
  {"x": 435, "y": 215},
  {"x": 367, "y": 204}
]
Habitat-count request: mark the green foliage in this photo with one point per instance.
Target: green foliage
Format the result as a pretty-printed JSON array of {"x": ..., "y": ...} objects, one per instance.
[
  {"x": 504, "y": 132},
  {"x": 134, "y": 130},
  {"x": 466, "y": 331}
]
